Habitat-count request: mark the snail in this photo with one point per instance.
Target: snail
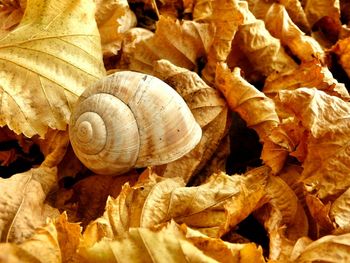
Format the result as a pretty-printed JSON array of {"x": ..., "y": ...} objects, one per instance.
[{"x": 129, "y": 119}]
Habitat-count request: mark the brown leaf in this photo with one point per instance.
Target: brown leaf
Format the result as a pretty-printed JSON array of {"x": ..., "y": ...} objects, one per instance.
[
  {"x": 263, "y": 51},
  {"x": 255, "y": 108},
  {"x": 326, "y": 120},
  {"x": 212, "y": 208},
  {"x": 168, "y": 244},
  {"x": 209, "y": 110},
  {"x": 310, "y": 75},
  {"x": 180, "y": 42},
  {"x": 340, "y": 212},
  {"x": 113, "y": 18},
  {"x": 316, "y": 10},
  {"x": 326, "y": 249},
  {"x": 11, "y": 13},
  {"x": 88, "y": 196},
  {"x": 280, "y": 25},
  {"x": 225, "y": 18},
  {"x": 22, "y": 203}
]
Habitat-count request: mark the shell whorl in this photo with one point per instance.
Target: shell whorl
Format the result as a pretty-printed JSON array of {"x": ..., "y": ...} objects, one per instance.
[{"x": 129, "y": 119}]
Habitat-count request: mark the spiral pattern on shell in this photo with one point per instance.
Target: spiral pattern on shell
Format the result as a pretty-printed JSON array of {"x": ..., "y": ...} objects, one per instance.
[{"x": 130, "y": 119}]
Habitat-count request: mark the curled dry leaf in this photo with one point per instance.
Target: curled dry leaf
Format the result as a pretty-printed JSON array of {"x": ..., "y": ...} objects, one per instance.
[
  {"x": 309, "y": 74},
  {"x": 224, "y": 251},
  {"x": 86, "y": 200},
  {"x": 263, "y": 50},
  {"x": 56, "y": 241},
  {"x": 182, "y": 43},
  {"x": 326, "y": 120},
  {"x": 113, "y": 18},
  {"x": 212, "y": 208},
  {"x": 209, "y": 110},
  {"x": 283, "y": 217},
  {"x": 282, "y": 27},
  {"x": 22, "y": 203},
  {"x": 225, "y": 18},
  {"x": 56, "y": 48},
  {"x": 316, "y": 10},
  {"x": 167, "y": 244},
  {"x": 342, "y": 50},
  {"x": 340, "y": 212},
  {"x": 255, "y": 108},
  {"x": 326, "y": 249}
]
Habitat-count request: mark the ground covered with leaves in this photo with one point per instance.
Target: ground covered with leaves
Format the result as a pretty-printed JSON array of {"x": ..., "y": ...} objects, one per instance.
[{"x": 265, "y": 80}]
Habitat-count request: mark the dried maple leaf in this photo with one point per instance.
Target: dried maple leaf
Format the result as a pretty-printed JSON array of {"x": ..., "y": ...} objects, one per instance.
[
  {"x": 209, "y": 110},
  {"x": 22, "y": 203},
  {"x": 326, "y": 119},
  {"x": 57, "y": 52},
  {"x": 255, "y": 108},
  {"x": 342, "y": 50},
  {"x": 212, "y": 208},
  {"x": 113, "y": 18}
]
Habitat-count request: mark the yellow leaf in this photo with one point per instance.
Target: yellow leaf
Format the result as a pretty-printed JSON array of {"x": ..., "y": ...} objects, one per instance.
[
  {"x": 22, "y": 203},
  {"x": 315, "y": 10},
  {"x": 326, "y": 249},
  {"x": 212, "y": 208},
  {"x": 169, "y": 244},
  {"x": 56, "y": 51},
  {"x": 113, "y": 18},
  {"x": 180, "y": 42},
  {"x": 209, "y": 110},
  {"x": 340, "y": 212}
]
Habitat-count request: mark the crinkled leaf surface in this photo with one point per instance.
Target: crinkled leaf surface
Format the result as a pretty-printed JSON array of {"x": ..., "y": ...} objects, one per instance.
[
  {"x": 56, "y": 51},
  {"x": 22, "y": 203},
  {"x": 326, "y": 118}
]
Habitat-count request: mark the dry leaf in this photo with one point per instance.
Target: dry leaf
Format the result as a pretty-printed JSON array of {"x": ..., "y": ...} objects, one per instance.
[
  {"x": 263, "y": 51},
  {"x": 326, "y": 249},
  {"x": 326, "y": 120},
  {"x": 342, "y": 50},
  {"x": 182, "y": 43},
  {"x": 309, "y": 75},
  {"x": 169, "y": 244},
  {"x": 340, "y": 212},
  {"x": 56, "y": 50},
  {"x": 41, "y": 247},
  {"x": 88, "y": 196},
  {"x": 225, "y": 18},
  {"x": 316, "y": 10},
  {"x": 224, "y": 251},
  {"x": 282, "y": 27},
  {"x": 212, "y": 208},
  {"x": 255, "y": 108},
  {"x": 113, "y": 18},
  {"x": 209, "y": 110},
  {"x": 22, "y": 203}
]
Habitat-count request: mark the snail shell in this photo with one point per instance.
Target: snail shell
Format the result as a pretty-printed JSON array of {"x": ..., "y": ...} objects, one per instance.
[{"x": 129, "y": 119}]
